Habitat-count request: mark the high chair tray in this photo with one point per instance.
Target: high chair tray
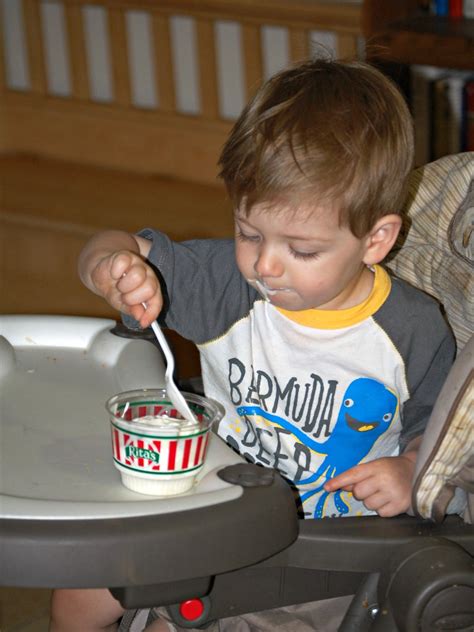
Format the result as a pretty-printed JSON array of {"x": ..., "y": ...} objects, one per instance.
[{"x": 64, "y": 513}]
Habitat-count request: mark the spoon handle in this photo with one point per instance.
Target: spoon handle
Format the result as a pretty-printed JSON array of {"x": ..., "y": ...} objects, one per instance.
[{"x": 174, "y": 393}]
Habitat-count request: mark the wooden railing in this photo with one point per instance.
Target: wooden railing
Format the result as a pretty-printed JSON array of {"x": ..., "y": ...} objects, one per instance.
[{"x": 161, "y": 136}]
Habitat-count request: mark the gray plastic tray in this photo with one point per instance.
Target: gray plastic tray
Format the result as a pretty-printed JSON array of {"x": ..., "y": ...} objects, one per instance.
[{"x": 56, "y": 372}]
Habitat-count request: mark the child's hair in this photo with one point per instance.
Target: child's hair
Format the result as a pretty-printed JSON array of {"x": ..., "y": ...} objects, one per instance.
[{"x": 339, "y": 133}]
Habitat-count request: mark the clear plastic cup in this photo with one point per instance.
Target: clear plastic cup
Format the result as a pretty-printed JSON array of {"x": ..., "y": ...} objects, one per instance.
[{"x": 156, "y": 451}]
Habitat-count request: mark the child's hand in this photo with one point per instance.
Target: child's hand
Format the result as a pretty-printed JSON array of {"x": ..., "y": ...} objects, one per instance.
[
  {"x": 127, "y": 282},
  {"x": 383, "y": 485}
]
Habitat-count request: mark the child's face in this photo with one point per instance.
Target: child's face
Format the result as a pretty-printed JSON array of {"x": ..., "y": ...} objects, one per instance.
[{"x": 302, "y": 260}]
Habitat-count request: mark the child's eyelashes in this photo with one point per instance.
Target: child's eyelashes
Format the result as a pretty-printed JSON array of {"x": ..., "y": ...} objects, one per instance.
[
  {"x": 244, "y": 237},
  {"x": 296, "y": 254},
  {"x": 305, "y": 256}
]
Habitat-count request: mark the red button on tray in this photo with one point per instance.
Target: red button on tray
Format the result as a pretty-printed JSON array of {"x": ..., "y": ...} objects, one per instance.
[{"x": 191, "y": 609}]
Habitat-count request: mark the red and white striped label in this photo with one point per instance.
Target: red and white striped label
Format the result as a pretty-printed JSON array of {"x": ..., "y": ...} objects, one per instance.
[{"x": 163, "y": 455}]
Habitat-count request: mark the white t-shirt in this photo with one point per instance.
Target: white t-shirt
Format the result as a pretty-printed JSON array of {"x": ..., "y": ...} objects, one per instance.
[{"x": 310, "y": 393}]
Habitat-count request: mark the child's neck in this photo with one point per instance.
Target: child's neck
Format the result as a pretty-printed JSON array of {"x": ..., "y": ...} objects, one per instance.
[{"x": 359, "y": 290}]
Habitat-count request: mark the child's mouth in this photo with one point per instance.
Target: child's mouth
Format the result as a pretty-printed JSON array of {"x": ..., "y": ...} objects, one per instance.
[{"x": 264, "y": 290}]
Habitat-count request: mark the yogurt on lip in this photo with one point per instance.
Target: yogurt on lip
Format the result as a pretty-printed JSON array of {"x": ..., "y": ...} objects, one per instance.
[{"x": 265, "y": 291}]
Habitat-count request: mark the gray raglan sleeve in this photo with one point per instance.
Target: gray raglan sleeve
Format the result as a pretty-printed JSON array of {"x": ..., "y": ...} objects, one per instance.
[
  {"x": 417, "y": 410},
  {"x": 203, "y": 289},
  {"x": 417, "y": 328}
]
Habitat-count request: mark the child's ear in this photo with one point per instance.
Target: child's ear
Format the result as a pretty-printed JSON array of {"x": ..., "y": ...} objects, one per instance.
[{"x": 381, "y": 238}]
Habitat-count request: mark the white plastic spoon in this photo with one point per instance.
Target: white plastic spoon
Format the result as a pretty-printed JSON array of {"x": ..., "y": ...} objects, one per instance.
[{"x": 172, "y": 390}]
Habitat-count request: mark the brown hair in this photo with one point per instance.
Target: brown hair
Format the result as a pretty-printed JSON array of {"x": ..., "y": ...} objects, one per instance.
[{"x": 338, "y": 132}]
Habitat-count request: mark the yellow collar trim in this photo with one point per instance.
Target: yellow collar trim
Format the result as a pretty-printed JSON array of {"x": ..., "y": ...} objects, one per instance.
[{"x": 340, "y": 318}]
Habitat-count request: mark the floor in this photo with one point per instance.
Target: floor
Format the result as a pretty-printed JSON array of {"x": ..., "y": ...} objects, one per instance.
[
  {"x": 47, "y": 211},
  {"x": 24, "y": 610}
]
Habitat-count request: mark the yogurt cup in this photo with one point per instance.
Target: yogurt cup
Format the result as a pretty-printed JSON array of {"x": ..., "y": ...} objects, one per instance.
[{"x": 156, "y": 451}]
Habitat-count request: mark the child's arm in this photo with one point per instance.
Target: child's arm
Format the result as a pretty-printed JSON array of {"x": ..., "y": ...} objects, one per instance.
[
  {"x": 383, "y": 485},
  {"x": 112, "y": 264}
]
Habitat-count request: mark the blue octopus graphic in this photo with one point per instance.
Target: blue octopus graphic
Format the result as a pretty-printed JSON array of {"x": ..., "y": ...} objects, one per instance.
[{"x": 366, "y": 413}]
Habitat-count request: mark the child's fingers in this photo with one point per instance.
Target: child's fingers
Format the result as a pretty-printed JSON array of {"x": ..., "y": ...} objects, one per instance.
[
  {"x": 383, "y": 485},
  {"x": 139, "y": 287},
  {"x": 144, "y": 316},
  {"x": 368, "y": 488},
  {"x": 152, "y": 310},
  {"x": 349, "y": 478},
  {"x": 127, "y": 283},
  {"x": 133, "y": 279},
  {"x": 145, "y": 301},
  {"x": 347, "y": 488},
  {"x": 387, "y": 511},
  {"x": 137, "y": 311},
  {"x": 120, "y": 265},
  {"x": 376, "y": 500}
]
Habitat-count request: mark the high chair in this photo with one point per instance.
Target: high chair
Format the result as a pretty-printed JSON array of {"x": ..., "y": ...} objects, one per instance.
[
  {"x": 408, "y": 573},
  {"x": 236, "y": 545}
]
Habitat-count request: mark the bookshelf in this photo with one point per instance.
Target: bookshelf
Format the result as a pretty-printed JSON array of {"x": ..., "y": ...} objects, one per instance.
[
  {"x": 431, "y": 57},
  {"x": 400, "y": 31}
]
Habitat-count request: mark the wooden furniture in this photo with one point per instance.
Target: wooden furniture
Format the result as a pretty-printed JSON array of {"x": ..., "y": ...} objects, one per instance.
[
  {"x": 398, "y": 31},
  {"x": 71, "y": 164},
  {"x": 48, "y": 209},
  {"x": 115, "y": 133}
]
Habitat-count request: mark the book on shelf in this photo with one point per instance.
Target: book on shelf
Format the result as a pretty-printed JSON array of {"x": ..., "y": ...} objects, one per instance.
[
  {"x": 447, "y": 115},
  {"x": 468, "y": 8},
  {"x": 468, "y": 116},
  {"x": 442, "y": 104},
  {"x": 421, "y": 78},
  {"x": 440, "y": 7},
  {"x": 456, "y": 8},
  {"x": 448, "y": 8}
]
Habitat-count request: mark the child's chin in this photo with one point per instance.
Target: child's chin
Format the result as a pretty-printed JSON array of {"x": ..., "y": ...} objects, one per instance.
[{"x": 288, "y": 301}]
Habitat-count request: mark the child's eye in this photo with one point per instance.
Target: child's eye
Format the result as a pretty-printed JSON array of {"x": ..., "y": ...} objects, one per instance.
[
  {"x": 306, "y": 256},
  {"x": 244, "y": 237}
]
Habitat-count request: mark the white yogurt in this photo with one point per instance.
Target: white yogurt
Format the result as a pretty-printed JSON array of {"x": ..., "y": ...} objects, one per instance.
[{"x": 168, "y": 424}]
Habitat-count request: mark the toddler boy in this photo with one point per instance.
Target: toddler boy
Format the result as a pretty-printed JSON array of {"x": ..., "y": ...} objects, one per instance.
[{"x": 327, "y": 367}]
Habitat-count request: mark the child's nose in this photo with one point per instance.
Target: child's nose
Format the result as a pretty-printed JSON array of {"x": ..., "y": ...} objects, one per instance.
[{"x": 268, "y": 264}]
